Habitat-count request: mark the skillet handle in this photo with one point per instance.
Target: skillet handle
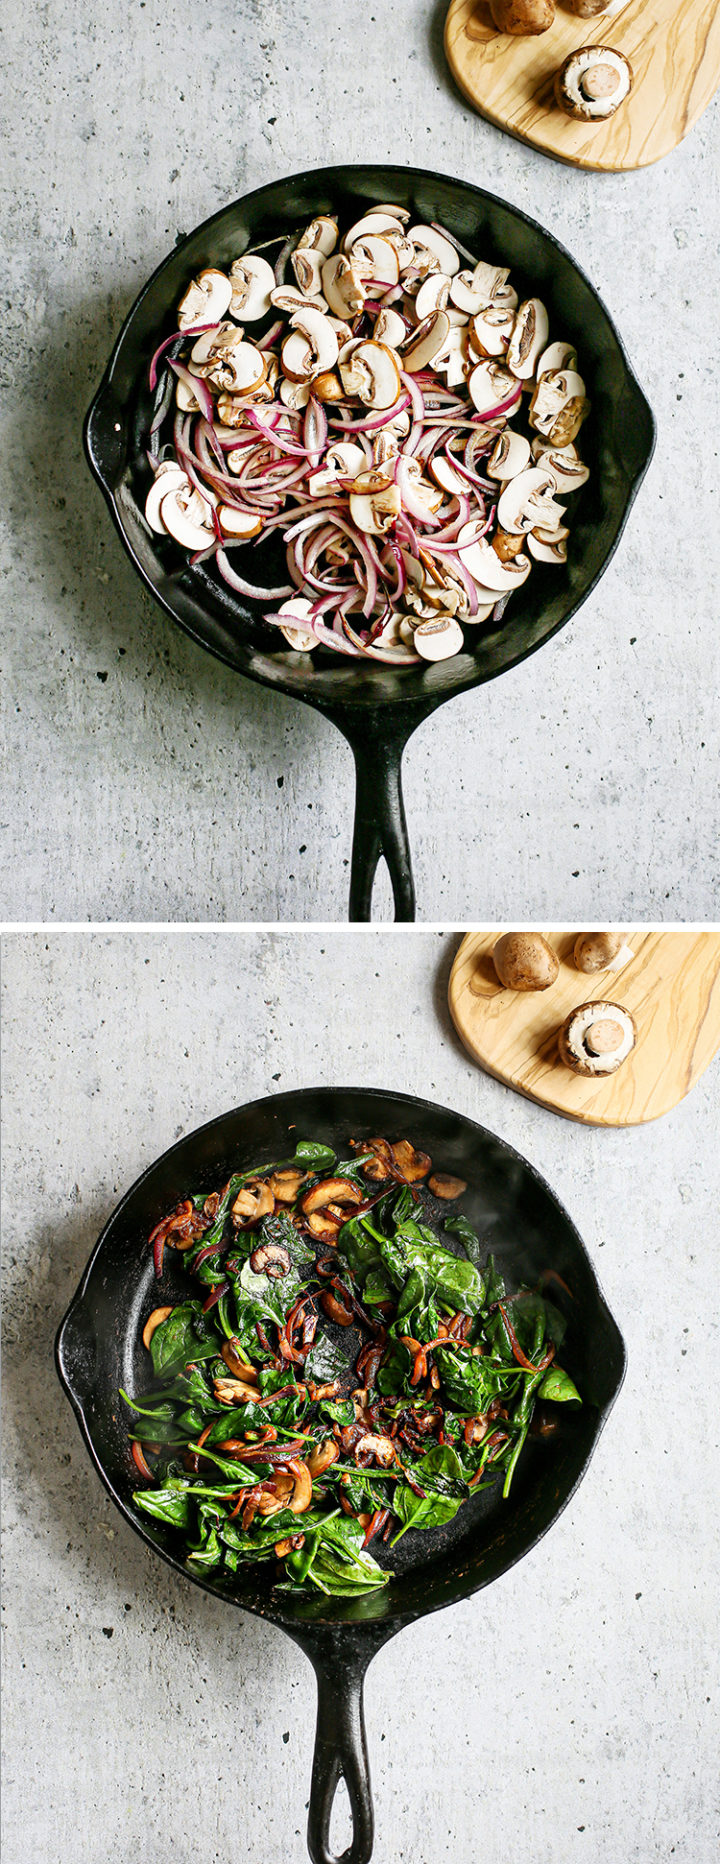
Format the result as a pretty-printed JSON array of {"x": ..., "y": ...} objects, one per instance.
[
  {"x": 380, "y": 826},
  {"x": 340, "y": 1752}
]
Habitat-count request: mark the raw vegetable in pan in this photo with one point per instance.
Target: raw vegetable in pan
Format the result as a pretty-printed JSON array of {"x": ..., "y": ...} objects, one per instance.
[
  {"x": 335, "y": 1376},
  {"x": 368, "y": 413}
]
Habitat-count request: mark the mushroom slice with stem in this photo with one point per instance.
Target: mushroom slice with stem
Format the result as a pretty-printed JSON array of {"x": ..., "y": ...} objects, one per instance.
[
  {"x": 557, "y": 356},
  {"x": 432, "y": 296},
  {"x": 186, "y": 515},
  {"x": 311, "y": 348},
  {"x": 596, "y": 1038},
  {"x": 206, "y": 300},
  {"x": 510, "y": 455},
  {"x": 485, "y": 566},
  {"x": 445, "y": 476},
  {"x": 389, "y": 328},
  {"x": 296, "y": 611},
  {"x": 344, "y": 460},
  {"x": 559, "y": 406},
  {"x": 252, "y": 281},
  {"x": 593, "y": 82},
  {"x": 330, "y": 1191},
  {"x": 371, "y": 372},
  {"x": 525, "y": 961},
  {"x": 375, "y": 502},
  {"x": 209, "y": 343},
  {"x": 490, "y": 386},
  {"x": 547, "y": 547},
  {"x": 427, "y": 343},
  {"x": 492, "y": 329},
  {"x": 253, "y": 1201},
  {"x": 171, "y": 476},
  {"x": 375, "y": 258},
  {"x": 601, "y": 951},
  {"x": 240, "y": 1368},
  {"x": 445, "y": 256},
  {"x": 294, "y": 394},
  {"x": 453, "y": 361},
  {"x": 564, "y": 463},
  {"x": 526, "y": 502},
  {"x": 378, "y": 220},
  {"x": 475, "y": 291},
  {"x": 529, "y": 337},
  {"x": 320, "y": 236},
  {"x": 343, "y": 286},
  {"x": 270, "y": 1259},
  {"x": 236, "y": 366}
]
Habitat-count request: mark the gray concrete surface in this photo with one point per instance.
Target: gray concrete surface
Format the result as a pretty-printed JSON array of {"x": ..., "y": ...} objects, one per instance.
[
  {"x": 143, "y": 781},
  {"x": 570, "y": 1712}
]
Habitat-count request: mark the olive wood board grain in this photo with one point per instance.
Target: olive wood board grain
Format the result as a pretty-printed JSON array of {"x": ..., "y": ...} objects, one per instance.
[
  {"x": 673, "y": 47},
  {"x": 671, "y": 986}
]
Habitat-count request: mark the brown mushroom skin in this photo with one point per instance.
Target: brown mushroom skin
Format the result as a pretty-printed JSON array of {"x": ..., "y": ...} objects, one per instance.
[
  {"x": 601, "y": 83},
  {"x": 587, "y": 9},
  {"x": 525, "y": 961},
  {"x": 330, "y": 1191},
  {"x": 442, "y": 1184},
  {"x": 594, "y": 951},
  {"x": 522, "y": 18}
]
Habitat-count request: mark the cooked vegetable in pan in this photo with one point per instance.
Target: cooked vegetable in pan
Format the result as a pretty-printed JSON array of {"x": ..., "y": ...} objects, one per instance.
[
  {"x": 338, "y": 1376},
  {"x": 372, "y": 418}
]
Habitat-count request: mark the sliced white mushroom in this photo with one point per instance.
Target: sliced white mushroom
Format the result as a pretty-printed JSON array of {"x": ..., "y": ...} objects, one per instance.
[
  {"x": 343, "y": 461},
  {"x": 454, "y": 359},
  {"x": 510, "y": 455},
  {"x": 432, "y": 296},
  {"x": 485, "y": 285},
  {"x": 445, "y": 475},
  {"x": 377, "y": 220},
  {"x": 375, "y": 257},
  {"x": 206, "y": 300},
  {"x": 236, "y": 523},
  {"x": 375, "y": 502},
  {"x": 427, "y": 343},
  {"x": 311, "y": 348},
  {"x": 438, "y": 639},
  {"x": 291, "y": 298},
  {"x": 168, "y": 477},
  {"x": 446, "y": 256},
  {"x": 202, "y": 354},
  {"x": 343, "y": 332},
  {"x": 252, "y": 281},
  {"x": 307, "y": 266},
  {"x": 237, "y": 366},
  {"x": 529, "y": 337},
  {"x": 371, "y": 372},
  {"x": 545, "y": 548},
  {"x": 186, "y": 515},
  {"x": 320, "y": 235},
  {"x": 185, "y": 400},
  {"x": 297, "y": 609},
  {"x": 342, "y": 285},
  {"x": 527, "y": 502},
  {"x": 491, "y": 386},
  {"x": 294, "y": 394},
  {"x": 484, "y": 564},
  {"x": 558, "y": 404},
  {"x": 556, "y": 356},
  {"x": 491, "y": 330},
  {"x": 390, "y": 328},
  {"x": 564, "y": 463}
]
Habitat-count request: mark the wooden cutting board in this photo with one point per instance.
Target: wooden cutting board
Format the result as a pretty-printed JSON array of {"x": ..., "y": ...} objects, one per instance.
[
  {"x": 673, "y": 47},
  {"x": 671, "y": 986}
]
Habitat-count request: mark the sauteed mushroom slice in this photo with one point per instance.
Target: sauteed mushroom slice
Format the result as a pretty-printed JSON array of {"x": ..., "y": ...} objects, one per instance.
[
  {"x": 443, "y": 1184},
  {"x": 154, "y": 1320},
  {"x": 235, "y": 1391},
  {"x": 330, "y": 1191},
  {"x": 285, "y": 1184},
  {"x": 230, "y": 1351},
  {"x": 412, "y": 1165},
  {"x": 325, "y": 1228},
  {"x": 321, "y": 1456},
  {"x": 253, "y": 1201},
  {"x": 272, "y": 1259}
]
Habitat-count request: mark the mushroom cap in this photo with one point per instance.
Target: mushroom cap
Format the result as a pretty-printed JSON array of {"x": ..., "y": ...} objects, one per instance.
[
  {"x": 527, "y": 501},
  {"x": 490, "y": 385},
  {"x": 525, "y": 961},
  {"x": 601, "y": 951},
  {"x": 206, "y": 299},
  {"x": 426, "y": 343},
  {"x": 510, "y": 455},
  {"x": 593, "y": 82},
  {"x": 167, "y": 477},
  {"x": 596, "y": 1038},
  {"x": 372, "y": 373},
  {"x": 522, "y": 17},
  {"x": 438, "y": 639},
  {"x": 320, "y": 235},
  {"x": 446, "y": 256},
  {"x": 252, "y": 280},
  {"x": 529, "y": 337}
]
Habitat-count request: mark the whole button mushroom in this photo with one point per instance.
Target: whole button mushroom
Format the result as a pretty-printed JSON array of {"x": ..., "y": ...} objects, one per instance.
[
  {"x": 522, "y": 17},
  {"x": 601, "y": 951},
  {"x": 525, "y": 961},
  {"x": 596, "y": 1038},
  {"x": 593, "y": 82}
]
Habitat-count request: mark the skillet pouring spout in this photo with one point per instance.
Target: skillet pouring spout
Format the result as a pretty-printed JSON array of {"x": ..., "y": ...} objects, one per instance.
[
  {"x": 376, "y": 707},
  {"x": 534, "y": 1243}
]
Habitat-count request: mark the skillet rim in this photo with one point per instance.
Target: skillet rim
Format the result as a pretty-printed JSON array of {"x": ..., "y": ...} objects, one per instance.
[
  {"x": 339, "y": 1618},
  {"x": 358, "y": 695}
]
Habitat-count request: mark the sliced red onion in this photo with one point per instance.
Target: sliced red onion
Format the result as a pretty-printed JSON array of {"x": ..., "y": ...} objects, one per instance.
[
  {"x": 197, "y": 387},
  {"x": 195, "y": 331}
]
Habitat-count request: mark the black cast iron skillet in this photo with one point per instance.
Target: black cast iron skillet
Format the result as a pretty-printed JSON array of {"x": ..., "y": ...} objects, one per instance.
[
  {"x": 98, "y": 1351},
  {"x": 375, "y": 707}
]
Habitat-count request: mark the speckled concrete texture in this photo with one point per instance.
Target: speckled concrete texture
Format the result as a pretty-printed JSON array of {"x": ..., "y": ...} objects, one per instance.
[
  {"x": 569, "y": 1712},
  {"x": 146, "y": 782}
]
